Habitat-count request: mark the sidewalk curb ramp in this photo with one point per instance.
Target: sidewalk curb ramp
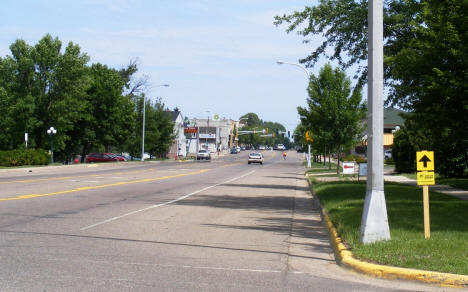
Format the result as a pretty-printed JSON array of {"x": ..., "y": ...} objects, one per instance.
[{"x": 345, "y": 258}]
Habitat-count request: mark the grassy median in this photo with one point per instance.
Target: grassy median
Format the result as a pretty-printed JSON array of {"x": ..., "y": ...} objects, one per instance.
[{"x": 446, "y": 250}]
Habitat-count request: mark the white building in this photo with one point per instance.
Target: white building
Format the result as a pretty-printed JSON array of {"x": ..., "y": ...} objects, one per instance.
[
  {"x": 178, "y": 147},
  {"x": 213, "y": 135}
]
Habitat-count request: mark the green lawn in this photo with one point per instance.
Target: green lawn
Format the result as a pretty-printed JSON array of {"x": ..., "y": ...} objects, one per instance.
[
  {"x": 460, "y": 183},
  {"x": 445, "y": 251}
]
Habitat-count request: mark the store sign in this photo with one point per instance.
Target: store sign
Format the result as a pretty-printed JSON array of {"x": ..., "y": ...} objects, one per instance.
[
  {"x": 207, "y": 136},
  {"x": 190, "y": 130}
]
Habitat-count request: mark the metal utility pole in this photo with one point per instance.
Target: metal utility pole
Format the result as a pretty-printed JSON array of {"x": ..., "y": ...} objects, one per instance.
[{"x": 374, "y": 223}]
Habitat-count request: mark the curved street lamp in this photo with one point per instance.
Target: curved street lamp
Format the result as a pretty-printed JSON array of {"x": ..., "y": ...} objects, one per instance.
[
  {"x": 51, "y": 132},
  {"x": 309, "y": 165},
  {"x": 143, "y": 130}
]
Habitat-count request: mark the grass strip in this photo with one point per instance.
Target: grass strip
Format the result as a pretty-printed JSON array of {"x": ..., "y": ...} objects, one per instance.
[
  {"x": 459, "y": 183},
  {"x": 446, "y": 250}
]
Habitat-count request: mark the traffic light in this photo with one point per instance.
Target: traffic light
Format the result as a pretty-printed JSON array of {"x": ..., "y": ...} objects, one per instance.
[{"x": 289, "y": 134}]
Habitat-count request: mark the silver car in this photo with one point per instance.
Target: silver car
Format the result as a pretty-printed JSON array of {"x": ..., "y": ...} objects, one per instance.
[{"x": 255, "y": 157}]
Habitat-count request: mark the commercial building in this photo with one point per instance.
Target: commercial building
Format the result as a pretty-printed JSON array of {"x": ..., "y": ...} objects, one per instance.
[{"x": 213, "y": 135}]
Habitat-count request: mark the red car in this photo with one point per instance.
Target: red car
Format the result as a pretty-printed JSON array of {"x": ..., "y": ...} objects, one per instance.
[{"x": 103, "y": 157}]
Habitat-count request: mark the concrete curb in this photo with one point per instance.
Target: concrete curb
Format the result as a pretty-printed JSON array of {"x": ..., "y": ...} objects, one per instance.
[{"x": 345, "y": 257}]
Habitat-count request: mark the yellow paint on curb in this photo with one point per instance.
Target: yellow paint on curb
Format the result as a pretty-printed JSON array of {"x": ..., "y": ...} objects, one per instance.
[
  {"x": 29, "y": 196},
  {"x": 346, "y": 258}
]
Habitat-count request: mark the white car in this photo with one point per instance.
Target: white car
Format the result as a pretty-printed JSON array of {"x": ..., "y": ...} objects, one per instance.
[
  {"x": 203, "y": 154},
  {"x": 280, "y": 147},
  {"x": 388, "y": 153},
  {"x": 255, "y": 157}
]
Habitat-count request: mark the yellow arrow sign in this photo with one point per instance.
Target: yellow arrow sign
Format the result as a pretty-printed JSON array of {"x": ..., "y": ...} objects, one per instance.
[{"x": 425, "y": 160}]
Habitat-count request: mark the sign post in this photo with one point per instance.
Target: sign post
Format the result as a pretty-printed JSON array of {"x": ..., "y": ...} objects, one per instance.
[{"x": 425, "y": 177}]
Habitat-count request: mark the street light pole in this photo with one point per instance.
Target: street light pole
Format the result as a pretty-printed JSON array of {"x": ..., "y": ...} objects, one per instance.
[
  {"x": 143, "y": 128},
  {"x": 309, "y": 165},
  {"x": 374, "y": 223},
  {"x": 51, "y": 132}
]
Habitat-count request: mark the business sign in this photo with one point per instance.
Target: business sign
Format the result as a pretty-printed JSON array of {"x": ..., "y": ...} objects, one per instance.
[
  {"x": 207, "y": 136},
  {"x": 216, "y": 117},
  {"x": 348, "y": 167},
  {"x": 425, "y": 160},
  {"x": 190, "y": 130}
]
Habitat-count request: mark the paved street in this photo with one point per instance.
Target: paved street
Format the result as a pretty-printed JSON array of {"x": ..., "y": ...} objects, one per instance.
[{"x": 212, "y": 226}]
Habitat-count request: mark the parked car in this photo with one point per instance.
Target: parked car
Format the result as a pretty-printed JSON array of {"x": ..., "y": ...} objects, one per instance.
[
  {"x": 242, "y": 148},
  {"x": 261, "y": 147},
  {"x": 203, "y": 154},
  {"x": 255, "y": 157},
  {"x": 388, "y": 153},
  {"x": 104, "y": 157},
  {"x": 234, "y": 150}
]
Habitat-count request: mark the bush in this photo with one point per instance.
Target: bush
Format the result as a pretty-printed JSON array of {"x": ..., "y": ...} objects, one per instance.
[
  {"x": 354, "y": 157},
  {"x": 20, "y": 157},
  {"x": 389, "y": 161}
]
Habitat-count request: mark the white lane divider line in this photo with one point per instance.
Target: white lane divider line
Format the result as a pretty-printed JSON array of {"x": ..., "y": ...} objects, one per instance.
[{"x": 168, "y": 202}]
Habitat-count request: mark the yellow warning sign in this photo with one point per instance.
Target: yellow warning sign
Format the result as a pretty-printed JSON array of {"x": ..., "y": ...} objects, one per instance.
[
  {"x": 308, "y": 137},
  {"x": 426, "y": 178},
  {"x": 425, "y": 160}
]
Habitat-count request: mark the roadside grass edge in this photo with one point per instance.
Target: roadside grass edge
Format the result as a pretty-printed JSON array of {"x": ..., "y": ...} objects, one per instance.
[{"x": 345, "y": 257}]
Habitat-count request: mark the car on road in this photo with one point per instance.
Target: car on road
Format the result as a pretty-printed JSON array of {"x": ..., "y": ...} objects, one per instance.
[
  {"x": 280, "y": 147},
  {"x": 203, "y": 154},
  {"x": 261, "y": 147},
  {"x": 255, "y": 157},
  {"x": 104, "y": 157},
  {"x": 234, "y": 150}
]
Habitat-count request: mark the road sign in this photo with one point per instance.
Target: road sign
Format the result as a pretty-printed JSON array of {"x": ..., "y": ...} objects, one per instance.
[
  {"x": 308, "y": 137},
  {"x": 425, "y": 160},
  {"x": 348, "y": 167},
  {"x": 426, "y": 178}
]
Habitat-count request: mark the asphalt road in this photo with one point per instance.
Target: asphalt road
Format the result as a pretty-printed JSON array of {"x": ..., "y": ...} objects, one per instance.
[{"x": 212, "y": 226}]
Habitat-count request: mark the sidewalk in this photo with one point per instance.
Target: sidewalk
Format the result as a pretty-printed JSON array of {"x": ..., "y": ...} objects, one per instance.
[{"x": 461, "y": 194}]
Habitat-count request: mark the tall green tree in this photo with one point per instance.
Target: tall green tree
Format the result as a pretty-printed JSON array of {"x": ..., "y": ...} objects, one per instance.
[
  {"x": 424, "y": 61},
  {"x": 334, "y": 113},
  {"x": 113, "y": 113},
  {"x": 159, "y": 129}
]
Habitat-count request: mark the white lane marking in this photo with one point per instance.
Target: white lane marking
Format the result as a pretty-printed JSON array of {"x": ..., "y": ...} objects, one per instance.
[{"x": 167, "y": 203}]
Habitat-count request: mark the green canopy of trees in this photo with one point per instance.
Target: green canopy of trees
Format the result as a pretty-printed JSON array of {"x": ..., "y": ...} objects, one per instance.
[
  {"x": 333, "y": 114},
  {"x": 93, "y": 107},
  {"x": 253, "y": 122},
  {"x": 425, "y": 63}
]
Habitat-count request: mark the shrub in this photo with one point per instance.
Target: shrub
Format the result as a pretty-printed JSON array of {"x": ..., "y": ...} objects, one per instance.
[
  {"x": 21, "y": 157},
  {"x": 354, "y": 157}
]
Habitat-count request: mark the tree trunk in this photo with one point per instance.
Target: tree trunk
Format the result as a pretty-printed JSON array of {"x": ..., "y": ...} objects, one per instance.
[
  {"x": 338, "y": 163},
  {"x": 329, "y": 160}
]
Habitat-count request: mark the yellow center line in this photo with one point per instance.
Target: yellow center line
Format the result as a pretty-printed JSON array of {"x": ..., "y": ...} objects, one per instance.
[
  {"x": 75, "y": 176},
  {"x": 29, "y": 196}
]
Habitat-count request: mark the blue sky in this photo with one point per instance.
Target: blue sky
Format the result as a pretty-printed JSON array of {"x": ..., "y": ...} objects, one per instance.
[{"x": 218, "y": 56}]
